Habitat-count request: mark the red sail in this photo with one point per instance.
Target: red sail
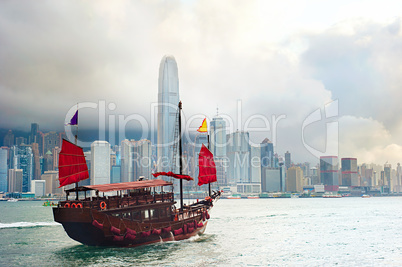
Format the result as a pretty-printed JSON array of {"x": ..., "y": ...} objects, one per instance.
[
  {"x": 171, "y": 174},
  {"x": 206, "y": 164},
  {"x": 72, "y": 165}
]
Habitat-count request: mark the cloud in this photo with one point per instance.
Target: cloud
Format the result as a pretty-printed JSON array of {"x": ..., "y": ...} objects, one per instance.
[{"x": 275, "y": 59}]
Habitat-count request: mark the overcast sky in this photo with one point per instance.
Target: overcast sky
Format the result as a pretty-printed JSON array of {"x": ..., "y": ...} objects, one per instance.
[{"x": 276, "y": 58}]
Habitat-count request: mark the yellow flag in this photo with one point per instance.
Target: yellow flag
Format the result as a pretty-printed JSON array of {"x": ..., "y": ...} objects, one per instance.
[{"x": 203, "y": 128}]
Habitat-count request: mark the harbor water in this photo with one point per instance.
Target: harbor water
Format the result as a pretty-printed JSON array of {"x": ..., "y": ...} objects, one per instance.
[{"x": 256, "y": 232}]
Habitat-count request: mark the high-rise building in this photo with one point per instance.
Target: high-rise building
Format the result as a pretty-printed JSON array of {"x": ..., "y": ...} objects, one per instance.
[
  {"x": 288, "y": 160},
  {"x": 294, "y": 179},
  {"x": 387, "y": 175},
  {"x": 115, "y": 174},
  {"x": 52, "y": 184},
  {"x": 127, "y": 166},
  {"x": 398, "y": 187},
  {"x": 329, "y": 170},
  {"x": 3, "y": 170},
  {"x": 51, "y": 140},
  {"x": 142, "y": 159},
  {"x": 218, "y": 137},
  {"x": 36, "y": 161},
  {"x": 22, "y": 158},
  {"x": 255, "y": 164},
  {"x": 100, "y": 162},
  {"x": 270, "y": 179},
  {"x": 15, "y": 180},
  {"x": 168, "y": 101},
  {"x": 20, "y": 141},
  {"x": 33, "y": 137},
  {"x": 238, "y": 152},
  {"x": 8, "y": 139},
  {"x": 349, "y": 172},
  {"x": 267, "y": 153},
  {"x": 38, "y": 187}
]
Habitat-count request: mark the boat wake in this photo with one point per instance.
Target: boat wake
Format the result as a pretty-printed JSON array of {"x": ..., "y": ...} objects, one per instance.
[{"x": 26, "y": 224}]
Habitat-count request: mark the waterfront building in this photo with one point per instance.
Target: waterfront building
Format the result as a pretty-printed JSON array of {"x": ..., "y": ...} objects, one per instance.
[
  {"x": 267, "y": 153},
  {"x": 168, "y": 100},
  {"x": 329, "y": 170},
  {"x": 15, "y": 177},
  {"x": 238, "y": 152},
  {"x": 52, "y": 183},
  {"x": 3, "y": 170},
  {"x": 255, "y": 164},
  {"x": 38, "y": 187},
  {"x": 100, "y": 162},
  {"x": 270, "y": 179},
  {"x": 288, "y": 160},
  {"x": 349, "y": 172},
  {"x": 398, "y": 187},
  {"x": 8, "y": 140},
  {"x": 218, "y": 137},
  {"x": 294, "y": 179}
]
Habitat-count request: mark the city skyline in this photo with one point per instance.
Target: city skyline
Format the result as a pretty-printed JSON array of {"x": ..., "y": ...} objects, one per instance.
[{"x": 276, "y": 64}]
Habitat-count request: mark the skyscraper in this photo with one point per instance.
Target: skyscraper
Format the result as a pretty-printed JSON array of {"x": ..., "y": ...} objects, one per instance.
[
  {"x": 267, "y": 153},
  {"x": 100, "y": 162},
  {"x": 255, "y": 164},
  {"x": 15, "y": 180},
  {"x": 239, "y": 157},
  {"x": 349, "y": 172},
  {"x": 34, "y": 133},
  {"x": 22, "y": 158},
  {"x": 218, "y": 137},
  {"x": 168, "y": 100},
  {"x": 127, "y": 172},
  {"x": 288, "y": 160},
  {"x": 329, "y": 170},
  {"x": 8, "y": 139},
  {"x": 3, "y": 170},
  {"x": 294, "y": 179},
  {"x": 142, "y": 159},
  {"x": 51, "y": 140}
]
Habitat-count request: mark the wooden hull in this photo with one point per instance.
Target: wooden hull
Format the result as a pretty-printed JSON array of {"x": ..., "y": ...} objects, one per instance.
[{"x": 79, "y": 226}]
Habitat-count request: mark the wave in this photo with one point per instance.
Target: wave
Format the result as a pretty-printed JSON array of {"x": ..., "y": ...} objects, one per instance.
[{"x": 26, "y": 224}]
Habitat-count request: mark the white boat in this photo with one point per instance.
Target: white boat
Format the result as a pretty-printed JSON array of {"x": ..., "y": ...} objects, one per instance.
[
  {"x": 12, "y": 200},
  {"x": 365, "y": 196}
]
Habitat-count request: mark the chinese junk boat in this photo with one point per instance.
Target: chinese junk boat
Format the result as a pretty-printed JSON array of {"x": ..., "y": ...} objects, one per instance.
[{"x": 139, "y": 213}]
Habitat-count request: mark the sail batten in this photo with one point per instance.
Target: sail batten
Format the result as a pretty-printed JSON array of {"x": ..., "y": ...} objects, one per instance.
[
  {"x": 72, "y": 164},
  {"x": 206, "y": 165}
]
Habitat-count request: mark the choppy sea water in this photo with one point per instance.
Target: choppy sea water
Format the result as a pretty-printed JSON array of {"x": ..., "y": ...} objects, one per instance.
[{"x": 255, "y": 232}]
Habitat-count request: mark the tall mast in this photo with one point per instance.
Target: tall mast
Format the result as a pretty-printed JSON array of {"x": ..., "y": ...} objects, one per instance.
[
  {"x": 209, "y": 184},
  {"x": 76, "y": 140},
  {"x": 180, "y": 159}
]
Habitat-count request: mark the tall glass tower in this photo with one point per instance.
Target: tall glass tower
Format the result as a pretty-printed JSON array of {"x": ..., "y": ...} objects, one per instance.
[{"x": 168, "y": 100}]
